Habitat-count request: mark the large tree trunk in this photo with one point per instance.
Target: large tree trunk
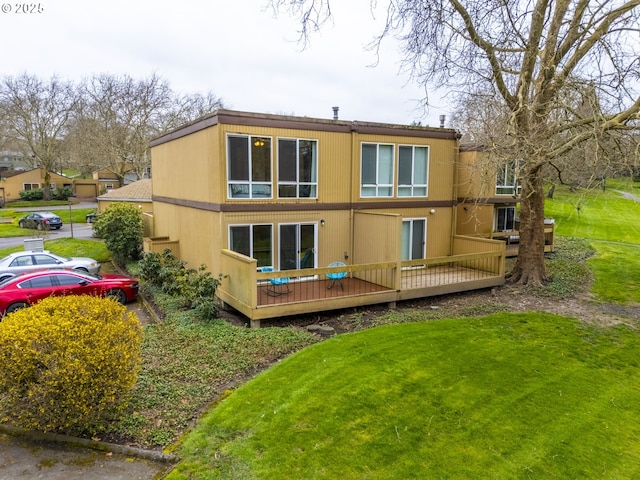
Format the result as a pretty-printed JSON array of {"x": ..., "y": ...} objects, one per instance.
[
  {"x": 529, "y": 268},
  {"x": 46, "y": 189}
]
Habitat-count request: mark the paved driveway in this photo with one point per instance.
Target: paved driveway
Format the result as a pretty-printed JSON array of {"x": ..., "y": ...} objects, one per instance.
[{"x": 76, "y": 230}]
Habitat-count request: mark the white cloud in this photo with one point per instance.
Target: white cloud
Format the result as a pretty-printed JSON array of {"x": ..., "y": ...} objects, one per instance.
[{"x": 235, "y": 49}]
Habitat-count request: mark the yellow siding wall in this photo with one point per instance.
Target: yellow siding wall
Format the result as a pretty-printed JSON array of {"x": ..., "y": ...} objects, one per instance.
[
  {"x": 187, "y": 168},
  {"x": 196, "y": 230},
  {"x": 193, "y": 169},
  {"x": 378, "y": 235},
  {"x": 476, "y": 175},
  {"x": 474, "y": 219}
]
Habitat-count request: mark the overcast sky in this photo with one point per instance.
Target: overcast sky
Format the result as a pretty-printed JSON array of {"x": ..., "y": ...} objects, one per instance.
[{"x": 236, "y": 49}]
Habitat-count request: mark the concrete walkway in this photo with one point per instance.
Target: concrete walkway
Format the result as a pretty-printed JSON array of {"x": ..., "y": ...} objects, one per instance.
[{"x": 22, "y": 459}]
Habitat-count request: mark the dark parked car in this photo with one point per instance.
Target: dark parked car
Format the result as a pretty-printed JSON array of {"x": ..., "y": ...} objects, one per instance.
[
  {"x": 24, "y": 290},
  {"x": 41, "y": 221}
]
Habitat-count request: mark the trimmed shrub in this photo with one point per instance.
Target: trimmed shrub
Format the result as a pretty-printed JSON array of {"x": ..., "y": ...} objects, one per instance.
[
  {"x": 38, "y": 194},
  {"x": 121, "y": 226},
  {"x": 68, "y": 363},
  {"x": 61, "y": 193},
  {"x": 33, "y": 194}
]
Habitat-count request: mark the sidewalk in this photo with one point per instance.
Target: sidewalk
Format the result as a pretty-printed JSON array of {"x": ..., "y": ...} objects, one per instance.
[{"x": 22, "y": 459}]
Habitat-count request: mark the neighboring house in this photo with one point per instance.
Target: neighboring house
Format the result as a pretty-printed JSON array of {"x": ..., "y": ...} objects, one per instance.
[
  {"x": 241, "y": 191},
  {"x": 107, "y": 179},
  {"x": 13, "y": 182},
  {"x": 137, "y": 194},
  {"x": 488, "y": 196},
  {"x": 10, "y": 161}
]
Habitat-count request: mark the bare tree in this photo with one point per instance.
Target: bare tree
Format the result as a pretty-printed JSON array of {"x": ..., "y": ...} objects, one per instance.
[
  {"x": 36, "y": 115},
  {"x": 529, "y": 54},
  {"x": 120, "y": 115}
]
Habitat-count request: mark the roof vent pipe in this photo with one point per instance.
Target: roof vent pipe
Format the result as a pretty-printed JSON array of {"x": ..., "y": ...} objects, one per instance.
[
  {"x": 335, "y": 112},
  {"x": 442, "y": 119}
]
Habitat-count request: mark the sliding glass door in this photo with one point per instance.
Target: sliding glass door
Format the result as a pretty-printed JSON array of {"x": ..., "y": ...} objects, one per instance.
[{"x": 297, "y": 246}]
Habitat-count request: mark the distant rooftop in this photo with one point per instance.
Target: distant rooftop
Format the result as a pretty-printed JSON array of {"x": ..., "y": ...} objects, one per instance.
[{"x": 139, "y": 191}]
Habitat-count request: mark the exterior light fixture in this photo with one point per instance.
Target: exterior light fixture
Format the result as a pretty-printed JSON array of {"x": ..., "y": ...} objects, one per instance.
[
  {"x": 432, "y": 211},
  {"x": 322, "y": 222}
]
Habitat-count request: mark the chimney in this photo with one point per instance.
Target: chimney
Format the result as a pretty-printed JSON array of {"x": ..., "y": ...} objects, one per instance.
[
  {"x": 442, "y": 119},
  {"x": 335, "y": 112}
]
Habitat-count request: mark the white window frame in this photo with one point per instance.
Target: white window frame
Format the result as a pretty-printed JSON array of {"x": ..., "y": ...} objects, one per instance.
[
  {"x": 507, "y": 179},
  {"x": 299, "y": 247},
  {"x": 411, "y": 222},
  {"x": 498, "y": 228},
  {"x": 379, "y": 189},
  {"x": 297, "y": 183},
  {"x": 251, "y": 239},
  {"x": 249, "y": 188},
  {"x": 414, "y": 188}
]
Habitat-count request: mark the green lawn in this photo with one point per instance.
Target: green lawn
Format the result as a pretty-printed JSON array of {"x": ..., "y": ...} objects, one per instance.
[
  {"x": 70, "y": 247},
  {"x": 612, "y": 225},
  {"x": 505, "y": 396},
  {"x": 595, "y": 214}
]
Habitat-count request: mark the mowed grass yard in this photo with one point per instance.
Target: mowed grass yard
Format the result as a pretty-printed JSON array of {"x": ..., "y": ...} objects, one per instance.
[
  {"x": 514, "y": 396},
  {"x": 611, "y": 223},
  {"x": 527, "y": 395}
]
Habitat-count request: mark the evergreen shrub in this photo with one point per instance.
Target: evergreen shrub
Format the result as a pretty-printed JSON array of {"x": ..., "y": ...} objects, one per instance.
[
  {"x": 121, "y": 226},
  {"x": 196, "y": 288},
  {"x": 68, "y": 363}
]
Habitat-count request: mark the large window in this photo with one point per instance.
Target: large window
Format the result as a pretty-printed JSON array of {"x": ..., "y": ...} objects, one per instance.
[
  {"x": 297, "y": 168},
  {"x": 249, "y": 166},
  {"x": 413, "y": 164},
  {"x": 505, "y": 219},
  {"x": 506, "y": 179},
  {"x": 414, "y": 238},
  {"x": 377, "y": 170},
  {"x": 255, "y": 241}
]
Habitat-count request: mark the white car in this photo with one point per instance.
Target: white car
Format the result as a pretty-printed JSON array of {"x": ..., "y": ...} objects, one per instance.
[{"x": 29, "y": 260}]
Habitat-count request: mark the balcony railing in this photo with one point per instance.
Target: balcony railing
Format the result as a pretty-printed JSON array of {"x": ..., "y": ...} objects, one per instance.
[{"x": 477, "y": 263}]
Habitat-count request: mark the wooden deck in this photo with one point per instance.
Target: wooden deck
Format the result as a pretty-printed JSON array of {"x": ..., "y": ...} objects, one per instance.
[
  {"x": 475, "y": 263},
  {"x": 304, "y": 290},
  {"x": 297, "y": 291}
]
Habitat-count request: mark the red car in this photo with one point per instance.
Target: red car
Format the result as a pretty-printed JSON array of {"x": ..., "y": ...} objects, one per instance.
[{"x": 26, "y": 289}]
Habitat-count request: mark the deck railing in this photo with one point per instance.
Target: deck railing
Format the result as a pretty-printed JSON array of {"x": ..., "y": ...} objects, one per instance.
[
  {"x": 314, "y": 284},
  {"x": 477, "y": 263}
]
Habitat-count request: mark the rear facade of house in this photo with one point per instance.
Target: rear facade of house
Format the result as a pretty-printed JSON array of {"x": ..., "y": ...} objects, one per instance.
[{"x": 238, "y": 191}]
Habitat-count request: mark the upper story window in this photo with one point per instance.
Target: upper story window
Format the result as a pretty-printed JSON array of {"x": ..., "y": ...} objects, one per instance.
[
  {"x": 249, "y": 166},
  {"x": 376, "y": 178},
  {"x": 297, "y": 168},
  {"x": 506, "y": 179},
  {"x": 413, "y": 165}
]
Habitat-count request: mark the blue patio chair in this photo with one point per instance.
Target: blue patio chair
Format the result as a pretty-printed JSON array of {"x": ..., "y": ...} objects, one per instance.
[
  {"x": 277, "y": 286},
  {"x": 336, "y": 278}
]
